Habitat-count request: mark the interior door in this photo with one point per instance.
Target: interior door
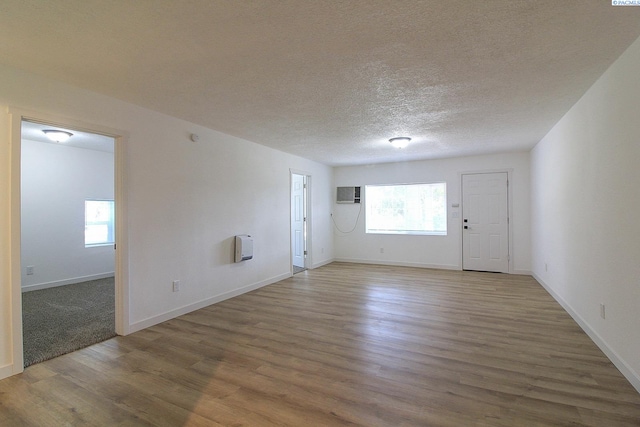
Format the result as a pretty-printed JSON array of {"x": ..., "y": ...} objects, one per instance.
[
  {"x": 485, "y": 222},
  {"x": 297, "y": 220}
]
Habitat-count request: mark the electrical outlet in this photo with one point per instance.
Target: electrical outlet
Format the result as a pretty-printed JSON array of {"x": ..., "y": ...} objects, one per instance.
[
  {"x": 546, "y": 268},
  {"x": 321, "y": 250},
  {"x": 381, "y": 250},
  {"x": 176, "y": 285},
  {"x": 602, "y": 312},
  {"x": 30, "y": 270}
]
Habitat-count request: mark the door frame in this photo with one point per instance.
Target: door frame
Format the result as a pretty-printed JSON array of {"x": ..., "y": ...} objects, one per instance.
[
  {"x": 509, "y": 173},
  {"x": 16, "y": 116},
  {"x": 307, "y": 213}
]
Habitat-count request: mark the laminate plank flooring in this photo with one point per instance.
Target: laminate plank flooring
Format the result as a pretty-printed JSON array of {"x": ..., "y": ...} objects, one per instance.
[{"x": 344, "y": 344}]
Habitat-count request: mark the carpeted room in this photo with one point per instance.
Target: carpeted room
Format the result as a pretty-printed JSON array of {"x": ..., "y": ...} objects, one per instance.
[
  {"x": 58, "y": 320},
  {"x": 67, "y": 241}
]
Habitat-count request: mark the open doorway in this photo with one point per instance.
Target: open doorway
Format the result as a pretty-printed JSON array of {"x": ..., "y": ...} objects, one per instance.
[
  {"x": 67, "y": 242},
  {"x": 299, "y": 221}
]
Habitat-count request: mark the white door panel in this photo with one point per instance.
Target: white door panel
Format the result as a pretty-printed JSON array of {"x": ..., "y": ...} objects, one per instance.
[
  {"x": 485, "y": 234},
  {"x": 297, "y": 220},
  {"x": 474, "y": 246}
]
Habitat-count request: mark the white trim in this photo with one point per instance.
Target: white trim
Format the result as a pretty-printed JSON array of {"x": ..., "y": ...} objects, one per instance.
[
  {"x": 122, "y": 241},
  {"x": 308, "y": 216},
  {"x": 398, "y": 263},
  {"x": 623, "y": 367},
  {"x": 15, "y": 126},
  {"x": 6, "y": 371},
  {"x": 71, "y": 281},
  {"x": 171, "y": 314},
  {"x": 299, "y": 172},
  {"x": 322, "y": 263},
  {"x": 414, "y": 232},
  {"x": 16, "y": 116},
  {"x": 509, "y": 172}
]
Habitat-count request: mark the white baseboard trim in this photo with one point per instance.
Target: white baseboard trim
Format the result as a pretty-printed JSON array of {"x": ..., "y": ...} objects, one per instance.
[
  {"x": 522, "y": 272},
  {"x": 143, "y": 324},
  {"x": 398, "y": 263},
  {"x": 322, "y": 263},
  {"x": 38, "y": 286},
  {"x": 6, "y": 371},
  {"x": 623, "y": 367}
]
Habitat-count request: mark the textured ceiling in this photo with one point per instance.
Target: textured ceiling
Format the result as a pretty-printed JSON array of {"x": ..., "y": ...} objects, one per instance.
[{"x": 333, "y": 80}]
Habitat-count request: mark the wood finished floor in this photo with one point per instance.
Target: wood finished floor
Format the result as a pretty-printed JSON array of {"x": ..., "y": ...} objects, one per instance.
[{"x": 344, "y": 344}]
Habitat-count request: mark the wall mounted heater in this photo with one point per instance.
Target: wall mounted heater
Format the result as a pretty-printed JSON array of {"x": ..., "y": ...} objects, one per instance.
[
  {"x": 348, "y": 195},
  {"x": 244, "y": 247}
]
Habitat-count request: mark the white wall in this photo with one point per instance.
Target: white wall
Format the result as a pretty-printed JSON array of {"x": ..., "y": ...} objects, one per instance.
[
  {"x": 56, "y": 181},
  {"x": 586, "y": 233},
  {"x": 185, "y": 202},
  {"x": 430, "y": 251}
]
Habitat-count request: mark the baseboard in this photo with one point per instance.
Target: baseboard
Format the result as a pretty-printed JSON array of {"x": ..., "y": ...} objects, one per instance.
[
  {"x": 143, "y": 324},
  {"x": 623, "y": 367},
  {"x": 322, "y": 263},
  {"x": 6, "y": 371},
  {"x": 413, "y": 264},
  {"x": 70, "y": 281},
  {"x": 398, "y": 264}
]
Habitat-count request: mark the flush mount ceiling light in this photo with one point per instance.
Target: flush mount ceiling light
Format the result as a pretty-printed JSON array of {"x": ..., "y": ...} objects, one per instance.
[
  {"x": 400, "y": 141},
  {"x": 57, "y": 135}
]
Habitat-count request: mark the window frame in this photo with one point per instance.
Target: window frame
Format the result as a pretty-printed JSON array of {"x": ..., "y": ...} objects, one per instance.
[
  {"x": 419, "y": 232},
  {"x": 110, "y": 224}
]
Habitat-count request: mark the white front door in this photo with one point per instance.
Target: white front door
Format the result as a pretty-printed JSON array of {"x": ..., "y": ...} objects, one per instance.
[
  {"x": 297, "y": 220},
  {"x": 485, "y": 222}
]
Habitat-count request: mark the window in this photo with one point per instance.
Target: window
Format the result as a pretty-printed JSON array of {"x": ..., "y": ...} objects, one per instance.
[
  {"x": 98, "y": 222},
  {"x": 406, "y": 209}
]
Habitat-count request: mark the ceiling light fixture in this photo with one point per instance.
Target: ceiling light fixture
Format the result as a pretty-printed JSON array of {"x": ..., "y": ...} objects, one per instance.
[
  {"x": 400, "y": 141},
  {"x": 57, "y": 135}
]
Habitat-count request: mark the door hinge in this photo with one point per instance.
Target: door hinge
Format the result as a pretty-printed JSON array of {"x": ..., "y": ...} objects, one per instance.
[
  {"x": 114, "y": 246},
  {"x": 305, "y": 253}
]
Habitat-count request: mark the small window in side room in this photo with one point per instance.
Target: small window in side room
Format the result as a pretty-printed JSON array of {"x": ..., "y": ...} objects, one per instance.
[
  {"x": 99, "y": 222},
  {"x": 406, "y": 209}
]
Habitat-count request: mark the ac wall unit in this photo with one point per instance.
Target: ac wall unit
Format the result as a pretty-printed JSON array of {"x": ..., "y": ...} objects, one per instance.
[{"x": 348, "y": 195}]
